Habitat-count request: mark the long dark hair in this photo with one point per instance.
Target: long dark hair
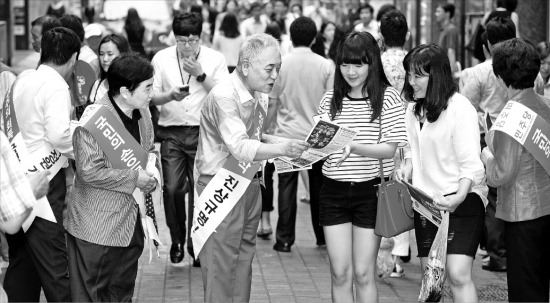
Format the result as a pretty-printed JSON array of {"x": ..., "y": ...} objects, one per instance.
[
  {"x": 120, "y": 42},
  {"x": 430, "y": 60},
  {"x": 360, "y": 48},
  {"x": 133, "y": 21},
  {"x": 230, "y": 26}
]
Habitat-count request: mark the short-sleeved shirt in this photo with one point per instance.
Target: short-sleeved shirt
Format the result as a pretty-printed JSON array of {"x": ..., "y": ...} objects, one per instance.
[
  {"x": 392, "y": 61},
  {"x": 356, "y": 114},
  {"x": 479, "y": 85},
  {"x": 226, "y": 118},
  {"x": 167, "y": 75},
  {"x": 449, "y": 38},
  {"x": 299, "y": 100}
]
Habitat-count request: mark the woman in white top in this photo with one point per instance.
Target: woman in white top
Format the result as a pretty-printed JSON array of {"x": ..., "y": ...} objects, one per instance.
[
  {"x": 229, "y": 41},
  {"x": 362, "y": 100},
  {"x": 110, "y": 47},
  {"x": 443, "y": 133}
]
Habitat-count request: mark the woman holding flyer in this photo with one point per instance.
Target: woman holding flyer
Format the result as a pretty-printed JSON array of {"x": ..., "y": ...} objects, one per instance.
[
  {"x": 444, "y": 137},
  {"x": 364, "y": 101}
]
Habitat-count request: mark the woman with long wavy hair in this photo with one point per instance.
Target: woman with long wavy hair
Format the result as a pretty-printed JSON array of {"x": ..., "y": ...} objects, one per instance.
[{"x": 443, "y": 132}]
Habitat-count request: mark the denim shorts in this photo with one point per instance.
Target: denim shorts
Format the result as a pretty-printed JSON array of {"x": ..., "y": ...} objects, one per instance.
[
  {"x": 343, "y": 202},
  {"x": 466, "y": 225}
]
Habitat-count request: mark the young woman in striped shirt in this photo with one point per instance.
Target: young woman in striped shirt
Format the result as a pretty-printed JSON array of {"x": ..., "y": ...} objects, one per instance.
[{"x": 362, "y": 100}]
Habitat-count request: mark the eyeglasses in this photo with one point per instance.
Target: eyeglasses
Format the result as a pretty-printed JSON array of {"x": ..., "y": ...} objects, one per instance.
[{"x": 191, "y": 42}]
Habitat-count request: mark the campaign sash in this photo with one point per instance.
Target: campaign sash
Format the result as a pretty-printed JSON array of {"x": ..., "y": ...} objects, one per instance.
[
  {"x": 528, "y": 129},
  {"x": 45, "y": 158},
  {"x": 224, "y": 190},
  {"x": 124, "y": 152}
]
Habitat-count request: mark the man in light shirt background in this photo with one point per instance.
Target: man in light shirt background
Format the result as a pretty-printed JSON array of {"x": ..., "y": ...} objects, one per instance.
[
  {"x": 304, "y": 78},
  {"x": 184, "y": 75},
  {"x": 480, "y": 85},
  {"x": 42, "y": 102}
]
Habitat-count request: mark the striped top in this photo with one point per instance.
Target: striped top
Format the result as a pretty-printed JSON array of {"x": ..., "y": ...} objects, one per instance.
[{"x": 356, "y": 115}]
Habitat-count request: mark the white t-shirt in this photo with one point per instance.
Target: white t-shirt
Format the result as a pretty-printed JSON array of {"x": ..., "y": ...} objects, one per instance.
[
  {"x": 43, "y": 105},
  {"x": 229, "y": 47}
]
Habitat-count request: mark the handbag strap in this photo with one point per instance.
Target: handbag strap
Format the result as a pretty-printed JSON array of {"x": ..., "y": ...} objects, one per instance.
[{"x": 382, "y": 179}]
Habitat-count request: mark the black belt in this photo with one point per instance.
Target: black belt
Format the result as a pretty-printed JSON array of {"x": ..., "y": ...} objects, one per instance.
[{"x": 258, "y": 175}]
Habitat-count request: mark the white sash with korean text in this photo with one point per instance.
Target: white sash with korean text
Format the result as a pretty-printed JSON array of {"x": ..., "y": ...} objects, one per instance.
[
  {"x": 528, "y": 129},
  {"x": 45, "y": 158},
  {"x": 124, "y": 152},
  {"x": 224, "y": 190}
]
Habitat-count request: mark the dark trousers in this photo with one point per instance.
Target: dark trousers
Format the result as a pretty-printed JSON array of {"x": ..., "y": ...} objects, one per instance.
[
  {"x": 178, "y": 150},
  {"x": 101, "y": 273},
  {"x": 288, "y": 186},
  {"x": 267, "y": 191},
  {"x": 38, "y": 258},
  {"x": 496, "y": 242},
  {"x": 528, "y": 248}
]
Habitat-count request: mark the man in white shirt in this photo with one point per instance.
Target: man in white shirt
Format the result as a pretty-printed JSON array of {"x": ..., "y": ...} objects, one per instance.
[
  {"x": 304, "y": 78},
  {"x": 42, "y": 104},
  {"x": 257, "y": 22},
  {"x": 368, "y": 23},
  {"x": 480, "y": 85},
  {"x": 184, "y": 75},
  {"x": 39, "y": 26}
]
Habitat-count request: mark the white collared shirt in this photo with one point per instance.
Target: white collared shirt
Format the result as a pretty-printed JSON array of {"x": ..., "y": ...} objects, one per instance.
[
  {"x": 225, "y": 121},
  {"x": 167, "y": 75},
  {"x": 42, "y": 103}
]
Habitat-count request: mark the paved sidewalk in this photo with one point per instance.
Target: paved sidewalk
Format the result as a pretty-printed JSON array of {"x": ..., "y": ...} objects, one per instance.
[{"x": 300, "y": 276}]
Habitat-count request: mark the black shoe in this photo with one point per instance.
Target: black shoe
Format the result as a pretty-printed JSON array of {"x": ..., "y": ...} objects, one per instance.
[
  {"x": 494, "y": 267},
  {"x": 407, "y": 258},
  {"x": 321, "y": 243},
  {"x": 176, "y": 253},
  {"x": 196, "y": 263},
  {"x": 282, "y": 247}
]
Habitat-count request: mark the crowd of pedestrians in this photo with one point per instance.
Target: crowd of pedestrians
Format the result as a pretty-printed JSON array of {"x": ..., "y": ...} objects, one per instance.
[{"x": 235, "y": 89}]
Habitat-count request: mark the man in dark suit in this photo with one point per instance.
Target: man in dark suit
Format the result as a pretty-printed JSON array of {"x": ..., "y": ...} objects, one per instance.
[{"x": 105, "y": 235}]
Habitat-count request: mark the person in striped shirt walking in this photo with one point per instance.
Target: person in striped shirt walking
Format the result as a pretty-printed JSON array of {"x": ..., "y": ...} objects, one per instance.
[{"x": 363, "y": 100}]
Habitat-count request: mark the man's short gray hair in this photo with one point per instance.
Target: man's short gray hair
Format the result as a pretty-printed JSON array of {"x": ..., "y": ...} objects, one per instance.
[{"x": 253, "y": 46}]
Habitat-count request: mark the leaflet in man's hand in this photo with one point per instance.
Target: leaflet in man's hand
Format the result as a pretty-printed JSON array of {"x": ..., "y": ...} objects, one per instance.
[
  {"x": 325, "y": 138},
  {"x": 424, "y": 204}
]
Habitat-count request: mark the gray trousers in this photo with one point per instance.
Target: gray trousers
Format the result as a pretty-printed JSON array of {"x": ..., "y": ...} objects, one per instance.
[{"x": 226, "y": 257}]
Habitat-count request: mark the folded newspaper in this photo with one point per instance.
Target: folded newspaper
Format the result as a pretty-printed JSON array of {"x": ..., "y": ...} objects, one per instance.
[
  {"x": 325, "y": 138},
  {"x": 424, "y": 204}
]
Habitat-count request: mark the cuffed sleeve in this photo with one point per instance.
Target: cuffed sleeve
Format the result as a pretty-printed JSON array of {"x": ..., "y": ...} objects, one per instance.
[
  {"x": 233, "y": 131},
  {"x": 393, "y": 119},
  {"x": 465, "y": 139}
]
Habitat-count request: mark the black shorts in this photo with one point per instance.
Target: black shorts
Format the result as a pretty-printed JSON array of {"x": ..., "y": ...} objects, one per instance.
[
  {"x": 466, "y": 225},
  {"x": 343, "y": 202}
]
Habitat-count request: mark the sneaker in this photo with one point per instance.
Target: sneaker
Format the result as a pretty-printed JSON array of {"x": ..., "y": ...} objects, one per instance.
[{"x": 397, "y": 272}]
